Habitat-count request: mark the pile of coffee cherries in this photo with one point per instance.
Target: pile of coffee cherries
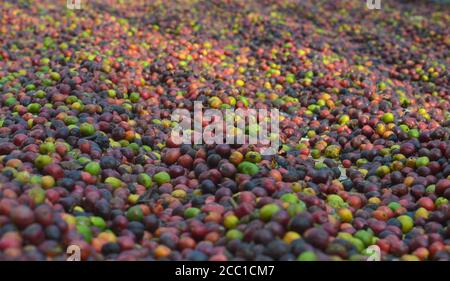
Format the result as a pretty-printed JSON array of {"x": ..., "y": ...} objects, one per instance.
[{"x": 87, "y": 158}]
